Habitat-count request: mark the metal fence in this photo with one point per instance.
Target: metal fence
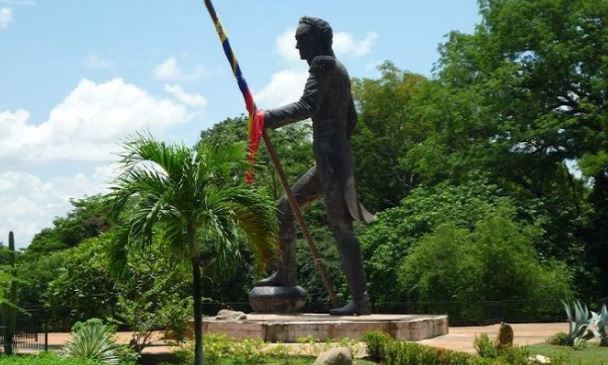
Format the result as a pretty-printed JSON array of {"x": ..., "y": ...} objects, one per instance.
[
  {"x": 30, "y": 331},
  {"x": 460, "y": 313}
]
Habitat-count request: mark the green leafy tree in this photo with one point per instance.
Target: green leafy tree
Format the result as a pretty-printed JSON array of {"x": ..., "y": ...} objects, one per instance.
[
  {"x": 385, "y": 131},
  {"x": 45, "y": 258},
  {"x": 390, "y": 238},
  {"x": 518, "y": 99},
  {"x": 192, "y": 196},
  {"x": 152, "y": 294},
  {"x": 83, "y": 287},
  {"x": 86, "y": 219},
  {"x": 494, "y": 260}
]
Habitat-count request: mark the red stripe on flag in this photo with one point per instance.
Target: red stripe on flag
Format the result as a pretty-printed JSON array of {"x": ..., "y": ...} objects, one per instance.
[{"x": 256, "y": 128}]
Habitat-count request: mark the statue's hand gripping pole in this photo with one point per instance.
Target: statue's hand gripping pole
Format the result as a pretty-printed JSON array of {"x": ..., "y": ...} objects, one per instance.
[{"x": 251, "y": 109}]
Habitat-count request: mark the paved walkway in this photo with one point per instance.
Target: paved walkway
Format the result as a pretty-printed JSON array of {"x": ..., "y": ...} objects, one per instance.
[{"x": 461, "y": 338}]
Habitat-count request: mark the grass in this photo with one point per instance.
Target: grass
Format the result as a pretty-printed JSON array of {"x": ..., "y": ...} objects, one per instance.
[
  {"x": 43, "y": 359},
  {"x": 591, "y": 355}
]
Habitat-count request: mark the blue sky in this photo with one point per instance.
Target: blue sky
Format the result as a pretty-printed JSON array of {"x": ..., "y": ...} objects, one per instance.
[{"x": 76, "y": 77}]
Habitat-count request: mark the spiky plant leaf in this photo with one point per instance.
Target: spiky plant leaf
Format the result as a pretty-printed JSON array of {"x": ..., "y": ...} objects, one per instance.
[
  {"x": 92, "y": 340},
  {"x": 579, "y": 319}
]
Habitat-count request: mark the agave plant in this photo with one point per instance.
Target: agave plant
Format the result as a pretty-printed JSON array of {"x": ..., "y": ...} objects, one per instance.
[
  {"x": 92, "y": 340},
  {"x": 580, "y": 320},
  {"x": 600, "y": 321}
]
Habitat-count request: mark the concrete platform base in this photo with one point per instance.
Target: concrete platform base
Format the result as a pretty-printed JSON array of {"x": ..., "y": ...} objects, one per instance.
[{"x": 290, "y": 328}]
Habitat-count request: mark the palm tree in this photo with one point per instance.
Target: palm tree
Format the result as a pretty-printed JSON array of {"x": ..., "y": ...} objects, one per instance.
[{"x": 194, "y": 200}]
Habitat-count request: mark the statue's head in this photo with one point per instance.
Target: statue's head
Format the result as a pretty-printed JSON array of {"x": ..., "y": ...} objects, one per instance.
[{"x": 313, "y": 38}]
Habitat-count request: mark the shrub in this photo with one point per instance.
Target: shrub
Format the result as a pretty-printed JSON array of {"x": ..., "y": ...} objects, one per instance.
[
  {"x": 410, "y": 353},
  {"x": 396, "y": 230},
  {"x": 579, "y": 320},
  {"x": 217, "y": 347},
  {"x": 375, "y": 342},
  {"x": 495, "y": 259},
  {"x": 93, "y": 340},
  {"x": 558, "y": 339},
  {"x": 484, "y": 347},
  {"x": 513, "y": 355}
]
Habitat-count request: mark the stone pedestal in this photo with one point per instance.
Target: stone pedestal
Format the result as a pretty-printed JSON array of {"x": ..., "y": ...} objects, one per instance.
[
  {"x": 323, "y": 327},
  {"x": 277, "y": 299}
]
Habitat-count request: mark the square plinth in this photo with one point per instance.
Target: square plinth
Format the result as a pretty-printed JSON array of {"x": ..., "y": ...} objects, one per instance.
[{"x": 290, "y": 328}]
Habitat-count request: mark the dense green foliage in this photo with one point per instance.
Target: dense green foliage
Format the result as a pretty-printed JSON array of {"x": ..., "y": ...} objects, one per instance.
[
  {"x": 494, "y": 261},
  {"x": 388, "y": 241},
  {"x": 492, "y": 171}
]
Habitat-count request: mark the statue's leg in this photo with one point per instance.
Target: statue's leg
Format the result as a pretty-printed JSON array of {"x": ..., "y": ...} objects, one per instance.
[
  {"x": 341, "y": 224},
  {"x": 305, "y": 190}
]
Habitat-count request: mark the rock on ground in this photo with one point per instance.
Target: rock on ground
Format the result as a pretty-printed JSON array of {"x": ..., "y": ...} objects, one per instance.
[
  {"x": 335, "y": 356},
  {"x": 228, "y": 315},
  {"x": 540, "y": 359}
]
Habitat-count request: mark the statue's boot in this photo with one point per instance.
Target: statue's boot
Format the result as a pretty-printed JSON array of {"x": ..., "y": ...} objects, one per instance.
[
  {"x": 352, "y": 264},
  {"x": 354, "y": 307},
  {"x": 272, "y": 280}
]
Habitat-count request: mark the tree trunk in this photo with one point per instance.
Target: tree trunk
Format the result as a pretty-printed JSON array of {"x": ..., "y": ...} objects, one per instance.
[{"x": 198, "y": 312}]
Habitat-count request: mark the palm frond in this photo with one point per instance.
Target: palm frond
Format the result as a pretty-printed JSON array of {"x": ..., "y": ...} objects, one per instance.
[
  {"x": 117, "y": 252},
  {"x": 215, "y": 164},
  {"x": 254, "y": 211},
  {"x": 175, "y": 187},
  {"x": 170, "y": 159}
]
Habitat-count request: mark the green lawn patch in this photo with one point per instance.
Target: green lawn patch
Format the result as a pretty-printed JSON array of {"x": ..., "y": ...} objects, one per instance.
[
  {"x": 43, "y": 359},
  {"x": 591, "y": 355}
]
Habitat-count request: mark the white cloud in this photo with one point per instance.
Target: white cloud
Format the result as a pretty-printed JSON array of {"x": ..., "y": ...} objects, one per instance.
[
  {"x": 169, "y": 70},
  {"x": 6, "y": 17},
  {"x": 95, "y": 61},
  {"x": 284, "y": 87},
  {"x": 87, "y": 125},
  {"x": 286, "y": 46},
  {"x": 31, "y": 203},
  {"x": 346, "y": 45},
  {"x": 191, "y": 99}
]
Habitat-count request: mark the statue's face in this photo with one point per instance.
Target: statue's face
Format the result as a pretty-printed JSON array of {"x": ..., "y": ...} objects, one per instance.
[{"x": 305, "y": 42}]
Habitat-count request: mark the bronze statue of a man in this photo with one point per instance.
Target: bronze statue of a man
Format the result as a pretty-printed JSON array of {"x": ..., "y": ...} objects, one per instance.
[{"x": 328, "y": 101}]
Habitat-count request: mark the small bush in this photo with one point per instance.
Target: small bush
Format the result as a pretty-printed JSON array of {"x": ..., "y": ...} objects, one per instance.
[
  {"x": 375, "y": 342},
  {"x": 558, "y": 339},
  {"x": 513, "y": 355},
  {"x": 410, "y": 353},
  {"x": 217, "y": 347},
  {"x": 485, "y": 348}
]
